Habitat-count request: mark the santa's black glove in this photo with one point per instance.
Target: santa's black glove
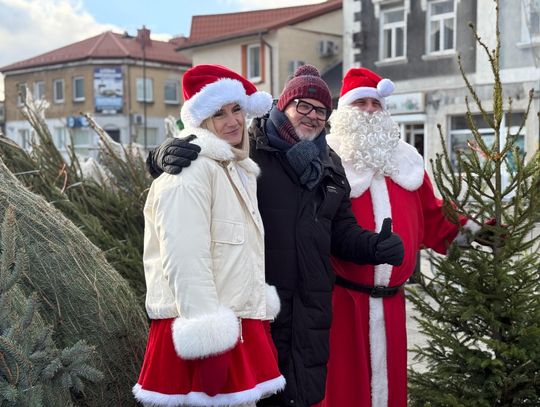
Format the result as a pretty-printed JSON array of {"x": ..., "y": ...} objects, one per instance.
[
  {"x": 388, "y": 247},
  {"x": 172, "y": 156}
]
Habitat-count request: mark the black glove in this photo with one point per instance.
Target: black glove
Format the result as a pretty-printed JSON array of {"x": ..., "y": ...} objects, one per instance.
[
  {"x": 172, "y": 156},
  {"x": 388, "y": 246},
  {"x": 491, "y": 234}
]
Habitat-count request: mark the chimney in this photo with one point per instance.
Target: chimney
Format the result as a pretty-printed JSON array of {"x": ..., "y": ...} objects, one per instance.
[{"x": 143, "y": 36}]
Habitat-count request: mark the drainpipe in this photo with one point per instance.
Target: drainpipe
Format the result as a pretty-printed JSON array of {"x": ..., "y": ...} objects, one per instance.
[{"x": 263, "y": 41}]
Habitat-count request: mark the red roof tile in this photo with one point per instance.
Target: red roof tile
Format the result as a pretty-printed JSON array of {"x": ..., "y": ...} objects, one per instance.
[
  {"x": 107, "y": 45},
  {"x": 210, "y": 28}
]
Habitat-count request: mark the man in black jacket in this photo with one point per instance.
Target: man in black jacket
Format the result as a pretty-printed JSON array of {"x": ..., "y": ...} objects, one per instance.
[{"x": 303, "y": 198}]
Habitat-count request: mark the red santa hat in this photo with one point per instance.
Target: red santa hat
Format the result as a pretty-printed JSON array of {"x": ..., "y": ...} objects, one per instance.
[
  {"x": 207, "y": 88},
  {"x": 361, "y": 83}
]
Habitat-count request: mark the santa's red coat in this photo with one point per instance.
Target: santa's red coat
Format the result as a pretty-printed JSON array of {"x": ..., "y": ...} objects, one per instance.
[{"x": 368, "y": 342}]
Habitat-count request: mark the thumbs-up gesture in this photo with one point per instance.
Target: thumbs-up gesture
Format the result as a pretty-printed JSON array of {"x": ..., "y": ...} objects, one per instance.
[{"x": 388, "y": 246}]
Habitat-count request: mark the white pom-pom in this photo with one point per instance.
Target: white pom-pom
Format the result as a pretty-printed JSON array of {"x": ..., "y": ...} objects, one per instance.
[
  {"x": 385, "y": 87},
  {"x": 258, "y": 104}
]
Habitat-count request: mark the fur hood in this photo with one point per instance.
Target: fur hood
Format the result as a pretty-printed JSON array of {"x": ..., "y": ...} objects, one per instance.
[{"x": 217, "y": 149}]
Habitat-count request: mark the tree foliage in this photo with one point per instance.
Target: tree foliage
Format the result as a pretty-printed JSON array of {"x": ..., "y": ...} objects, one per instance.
[
  {"x": 481, "y": 311},
  {"x": 33, "y": 371}
]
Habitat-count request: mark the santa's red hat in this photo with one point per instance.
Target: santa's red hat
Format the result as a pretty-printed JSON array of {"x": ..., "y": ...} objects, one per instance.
[
  {"x": 207, "y": 88},
  {"x": 361, "y": 83}
]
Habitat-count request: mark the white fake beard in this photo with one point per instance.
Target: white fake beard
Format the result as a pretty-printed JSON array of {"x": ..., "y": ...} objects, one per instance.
[{"x": 366, "y": 140}]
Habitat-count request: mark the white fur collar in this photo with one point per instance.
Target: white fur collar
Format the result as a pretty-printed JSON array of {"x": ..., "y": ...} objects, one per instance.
[
  {"x": 215, "y": 148},
  {"x": 409, "y": 175}
]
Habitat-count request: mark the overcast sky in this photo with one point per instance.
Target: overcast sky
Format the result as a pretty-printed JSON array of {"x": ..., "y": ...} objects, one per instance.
[{"x": 32, "y": 27}]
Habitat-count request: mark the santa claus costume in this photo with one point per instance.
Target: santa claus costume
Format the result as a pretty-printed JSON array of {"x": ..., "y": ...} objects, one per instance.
[
  {"x": 209, "y": 341},
  {"x": 368, "y": 343}
]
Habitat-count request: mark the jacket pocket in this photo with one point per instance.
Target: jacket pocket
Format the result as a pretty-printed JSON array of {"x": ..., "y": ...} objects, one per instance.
[
  {"x": 333, "y": 196},
  {"x": 228, "y": 232}
]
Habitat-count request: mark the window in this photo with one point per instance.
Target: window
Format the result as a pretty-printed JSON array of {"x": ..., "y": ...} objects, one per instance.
[
  {"x": 83, "y": 141},
  {"x": 151, "y": 137},
  {"x": 530, "y": 27},
  {"x": 25, "y": 139},
  {"x": 58, "y": 91},
  {"x": 59, "y": 138},
  {"x": 78, "y": 89},
  {"x": 460, "y": 134},
  {"x": 294, "y": 65},
  {"x": 21, "y": 93},
  {"x": 39, "y": 90},
  {"x": 393, "y": 33},
  {"x": 172, "y": 92},
  {"x": 441, "y": 26},
  {"x": 145, "y": 93},
  {"x": 254, "y": 63}
]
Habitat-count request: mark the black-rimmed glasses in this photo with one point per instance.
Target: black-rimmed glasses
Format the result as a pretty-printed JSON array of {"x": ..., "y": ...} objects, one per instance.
[{"x": 305, "y": 108}]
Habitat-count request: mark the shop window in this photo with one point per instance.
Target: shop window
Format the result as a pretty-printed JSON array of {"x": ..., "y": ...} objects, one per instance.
[{"x": 461, "y": 138}]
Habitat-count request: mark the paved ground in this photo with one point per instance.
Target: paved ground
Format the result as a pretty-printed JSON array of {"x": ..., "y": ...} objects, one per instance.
[{"x": 413, "y": 336}]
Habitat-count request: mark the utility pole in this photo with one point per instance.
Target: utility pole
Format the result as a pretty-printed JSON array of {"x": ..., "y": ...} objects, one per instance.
[{"x": 143, "y": 44}]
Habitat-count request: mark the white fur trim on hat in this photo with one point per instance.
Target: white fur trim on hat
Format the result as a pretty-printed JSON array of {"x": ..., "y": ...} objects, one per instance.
[
  {"x": 385, "y": 87},
  {"x": 258, "y": 104},
  {"x": 207, "y": 335},
  {"x": 273, "y": 305},
  {"x": 215, "y": 95}
]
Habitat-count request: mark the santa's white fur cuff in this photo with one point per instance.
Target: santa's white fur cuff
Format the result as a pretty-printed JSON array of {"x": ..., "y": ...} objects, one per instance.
[{"x": 206, "y": 335}]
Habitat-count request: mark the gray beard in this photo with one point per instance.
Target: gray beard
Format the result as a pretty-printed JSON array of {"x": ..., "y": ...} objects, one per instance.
[{"x": 366, "y": 140}]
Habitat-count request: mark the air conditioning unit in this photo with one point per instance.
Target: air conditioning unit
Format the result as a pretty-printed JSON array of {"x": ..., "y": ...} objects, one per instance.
[
  {"x": 327, "y": 48},
  {"x": 138, "y": 119}
]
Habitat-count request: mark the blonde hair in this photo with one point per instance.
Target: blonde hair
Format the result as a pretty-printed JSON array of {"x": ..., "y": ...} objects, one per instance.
[{"x": 241, "y": 151}]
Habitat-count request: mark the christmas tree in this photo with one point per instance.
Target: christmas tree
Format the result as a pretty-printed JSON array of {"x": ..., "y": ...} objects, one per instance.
[
  {"x": 82, "y": 296},
  {"x": 481, "y": 310},
  {"x": 33, "y": 371},
  {"x": 104, "y": 198}
]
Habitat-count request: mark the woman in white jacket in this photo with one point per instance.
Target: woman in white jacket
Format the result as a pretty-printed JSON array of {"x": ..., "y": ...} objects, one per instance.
[{"x": 204, "y": 259}]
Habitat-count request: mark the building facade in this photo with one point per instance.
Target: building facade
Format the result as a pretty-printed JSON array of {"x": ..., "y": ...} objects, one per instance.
[
  {"x": 128, "y": 84},
  {"x": 416, "y": 43},
  {"x": 266, "y": 46}
]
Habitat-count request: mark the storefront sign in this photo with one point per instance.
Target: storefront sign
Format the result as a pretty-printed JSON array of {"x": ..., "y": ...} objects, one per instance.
[
  {"x": 76, "y": 121},
  {"x": 406, "y": 103}
]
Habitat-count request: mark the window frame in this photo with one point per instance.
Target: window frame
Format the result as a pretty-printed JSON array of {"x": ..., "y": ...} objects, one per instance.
[
  {"x": 56, "y": 99},
  {"x": 176, "y": 84},
  {"x": 393, "y": 27},
  {"x": 36, "y": 90},
  {"x": 441, "y": 18},
  {"x": 526, "y": 11},
  {"x": 139, "y": 90},
  {"x": 22, "y": 88},
  {"x": 249, "y": 62},
  {"x": 151, "y": 133},
  {"x": 77, "y": 98}
]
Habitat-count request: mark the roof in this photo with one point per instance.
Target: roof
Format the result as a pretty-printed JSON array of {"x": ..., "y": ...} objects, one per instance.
[
  {"x": 107, "y": 45},
  {"x": 213, "y": 28}
]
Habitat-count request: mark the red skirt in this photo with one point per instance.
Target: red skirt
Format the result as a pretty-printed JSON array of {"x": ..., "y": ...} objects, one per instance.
[{"x": 168, "y": 380}]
